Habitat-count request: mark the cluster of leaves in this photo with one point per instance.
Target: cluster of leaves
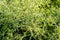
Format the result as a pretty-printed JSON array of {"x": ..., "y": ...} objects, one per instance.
[{"x": 29, "y": 19}]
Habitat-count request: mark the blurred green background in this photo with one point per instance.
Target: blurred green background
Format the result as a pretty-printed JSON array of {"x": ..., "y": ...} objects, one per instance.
[{"x": 29, "y": 19}]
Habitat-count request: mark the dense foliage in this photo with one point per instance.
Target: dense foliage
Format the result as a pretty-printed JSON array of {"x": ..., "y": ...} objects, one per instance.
[{"x": 29, "y": 19}]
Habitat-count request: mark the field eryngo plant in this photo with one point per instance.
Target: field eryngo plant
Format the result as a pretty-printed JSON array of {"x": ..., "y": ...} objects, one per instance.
[{"x": 29, "y": 19}]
